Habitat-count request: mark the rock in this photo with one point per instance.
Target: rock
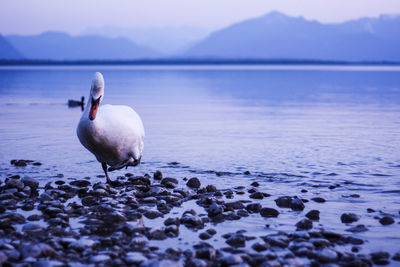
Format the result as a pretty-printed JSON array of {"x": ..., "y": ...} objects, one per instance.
[
  {"x": 31, "y": 182},
  {"x": 269, "y": 212},
  {"x": 296, "y": 204},
  {"x": 283, "y": 202},
  {"x": 204, "y": 251},
  {"x": 357, "y": 229},
  {"x": 204, "y": 236},
  {"x": 3, "y": 258},
  {"x": 236, "y": 240},
  {"x": 257, "y": 195},
  {"x": 327, "y": 255},
  {"x": 318, "y": 199},
  {"x": 211, "y": 188},
  {"x": 214, "y": 210},
  {"x": 169, "y": 180},
  {"x": 260, "y": 246},
  {"x": 313, "y": 215},
  {"x": 32, "y": 228},
  {"x": 171, "y": 221},
  {"x": 158, "y": 234},
  {"x": 89, "y": 201},
  {"x": 349, "y": 217},
  {"x": 158, "y": 175},
  {"x": 386, "y": 220},
  {"x": 380, "y": 258},
  {"x": 80, "y": 183},
  {"x": 193, "y": 183},
  {"x": 192, "y": 221},
  {"x": 255, "y": 184},
  {"x": 396, "y": 256},
  {"x": 304, "y": 224},
  {"x": 134, "y": 258},
  {"x": 253, "y": 207},
  {"x": 15, "y": 183},
  {"x": 100, "y": 258},
  {"x": 277, "y": 240},
  {"x": 236, "y": 205},
  {"x": 230, "y": 260}
]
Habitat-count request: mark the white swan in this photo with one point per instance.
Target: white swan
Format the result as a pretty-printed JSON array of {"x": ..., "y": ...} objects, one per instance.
[{"x": 114, "y": 134}]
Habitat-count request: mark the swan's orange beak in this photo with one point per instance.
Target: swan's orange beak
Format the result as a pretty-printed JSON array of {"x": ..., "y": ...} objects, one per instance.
[{"x": 93, "y": 108}]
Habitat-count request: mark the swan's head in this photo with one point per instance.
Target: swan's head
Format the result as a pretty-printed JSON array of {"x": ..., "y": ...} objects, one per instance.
[{"x": 96, "y": 94}]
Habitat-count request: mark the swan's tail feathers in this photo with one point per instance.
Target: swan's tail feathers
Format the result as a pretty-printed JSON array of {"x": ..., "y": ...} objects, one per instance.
[{"x": 129, "y": 162}]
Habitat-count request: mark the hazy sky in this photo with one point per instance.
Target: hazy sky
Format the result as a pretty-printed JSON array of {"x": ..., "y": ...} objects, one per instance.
[{"x": 73, "y": 16}]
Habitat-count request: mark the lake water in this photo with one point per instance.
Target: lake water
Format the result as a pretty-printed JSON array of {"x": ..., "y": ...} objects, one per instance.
[{"x": 292, "y": 127}]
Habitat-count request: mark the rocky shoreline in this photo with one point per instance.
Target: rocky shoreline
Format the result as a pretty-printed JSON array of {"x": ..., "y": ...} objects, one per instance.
[{"x": 81, "y": 222}]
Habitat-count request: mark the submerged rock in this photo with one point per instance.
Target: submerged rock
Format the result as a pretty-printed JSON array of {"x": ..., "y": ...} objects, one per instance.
[
  {"x": 386, "y": 220},
  {"x": 313, "y": 215},
  {"x": 269, "y": 212},
  {"x": 193, "y": 183},
  {"x": 349, "y": 217}
]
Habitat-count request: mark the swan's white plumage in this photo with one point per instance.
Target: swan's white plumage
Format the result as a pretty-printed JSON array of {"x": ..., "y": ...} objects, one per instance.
[{"x": 115, "y": 135}]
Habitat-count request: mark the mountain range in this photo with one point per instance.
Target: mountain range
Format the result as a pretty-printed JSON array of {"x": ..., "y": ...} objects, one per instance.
[
  {"x": 61, "y": 46},
  {"x": 272, "y": 36}
]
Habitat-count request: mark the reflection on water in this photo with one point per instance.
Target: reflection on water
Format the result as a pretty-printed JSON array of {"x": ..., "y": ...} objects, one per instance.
[{"x": 294, "y": 127}]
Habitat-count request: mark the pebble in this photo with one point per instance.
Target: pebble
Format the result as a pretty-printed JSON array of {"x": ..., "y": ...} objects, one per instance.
[
  {"x": 386, "y": 220},
  {"x": 380, "y": 258},
  {"x": 357, "y": 229},
  {"x": 257, "y": 195},
  {"x": 193, "y": 183},
  {"x": 134, "y": 258},
  {"x": 304, "y": 224},
  {"x": 349, "y": 217},
  {"x": 158, "y": 175},
  {"x": 254, "y": 207},
  {"x": 318, "y": 199},
  {"x": 327, "y": 255},
  {"x": 236, "y": 240},
  {"x": 313, "y": 215},
  {"x": 269, "y": 212}
]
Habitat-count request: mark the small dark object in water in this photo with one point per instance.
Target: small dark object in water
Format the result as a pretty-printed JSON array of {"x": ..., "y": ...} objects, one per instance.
[
  {"x": 75, "y": 103},
  {"x": 387, "y": 220}
]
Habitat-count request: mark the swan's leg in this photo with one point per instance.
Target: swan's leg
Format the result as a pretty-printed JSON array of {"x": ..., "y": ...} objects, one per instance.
[{"x": 104, "y": 166}]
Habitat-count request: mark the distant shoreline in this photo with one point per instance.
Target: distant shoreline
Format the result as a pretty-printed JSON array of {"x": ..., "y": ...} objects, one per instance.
[{"x": 149, "y": 62}]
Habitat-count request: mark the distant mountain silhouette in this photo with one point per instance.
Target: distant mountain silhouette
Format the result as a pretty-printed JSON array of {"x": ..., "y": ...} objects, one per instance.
[
  {"x": 7, "y": 51},
  {"x": 61, "y": 46},
  {"x": 277, "y": 36}
]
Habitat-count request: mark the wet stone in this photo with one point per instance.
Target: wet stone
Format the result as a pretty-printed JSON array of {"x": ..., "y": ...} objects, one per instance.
[
  {"x": 193, "y": 183},
  {"x": 255, "y": 184},
  {"x": 236, "y": 240},
  {"x": 318, "y": 199},
  {"x": 304, "y": 224},
  {"x": 327, "y": 255},
  {"x": 357, "y": 229},
  {"x": 31, "y": 182},
  {"x": 204, "y": 236},
  {"x": 260, "y": 246},
  {"x": 80, "y": 183},
  {"x": 257, "y": 195},
  {"x": 380, "y": 258},
  {"x": 313, "y": 215},
  {"x": 32, "y": 228},
  {"x": 168, "y": 180},
  {"x": 269, "y": 212},
  {"x": 253, "y": 207},
  {"x": 349, "y": 217},
  {"x": 134, "y": 258},
  {"x": 386, "y": 220},
  {"x": 215, "y": 210},
  {"x": 157, "y": 175},
  {"x": 297, "y": 204}
]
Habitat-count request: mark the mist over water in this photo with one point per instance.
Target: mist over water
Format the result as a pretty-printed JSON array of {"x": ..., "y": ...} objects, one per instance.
[{"x": 290, "y": 127}]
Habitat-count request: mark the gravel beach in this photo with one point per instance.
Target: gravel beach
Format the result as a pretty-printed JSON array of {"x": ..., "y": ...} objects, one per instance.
[{"x": 156, "y": 220}]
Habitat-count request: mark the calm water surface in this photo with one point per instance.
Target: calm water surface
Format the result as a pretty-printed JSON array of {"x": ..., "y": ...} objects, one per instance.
[{"x": 291, "y": 127}]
